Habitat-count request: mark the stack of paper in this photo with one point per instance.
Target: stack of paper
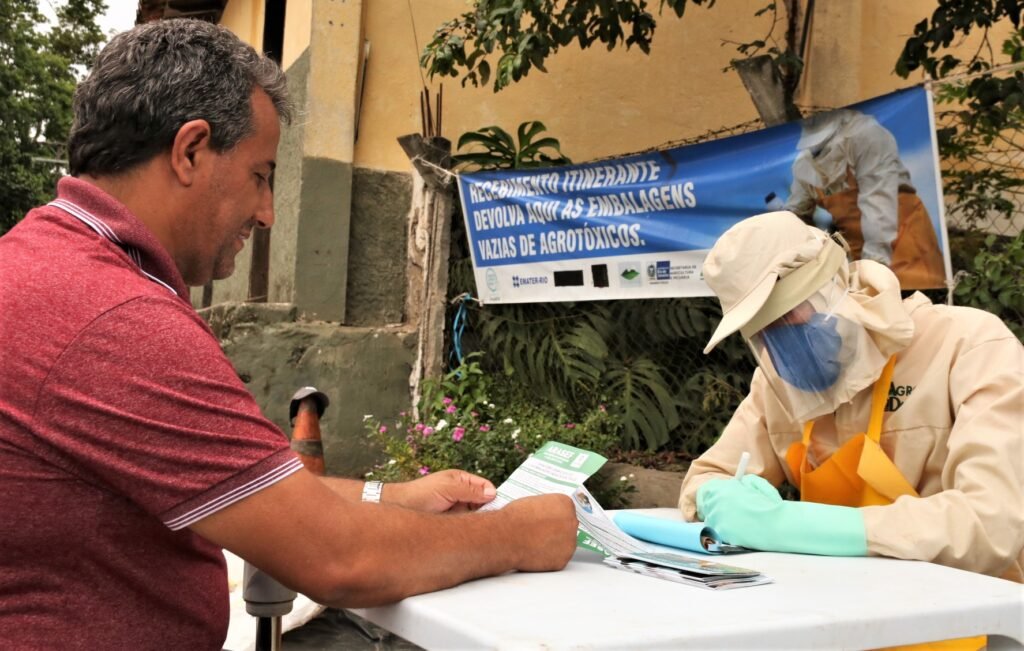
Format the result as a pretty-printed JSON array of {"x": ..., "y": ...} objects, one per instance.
[{"x": 687, "y": 569}]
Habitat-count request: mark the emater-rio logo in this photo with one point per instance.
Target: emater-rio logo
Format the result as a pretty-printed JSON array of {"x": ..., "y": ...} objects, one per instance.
[{"x": 523, "y": 281}]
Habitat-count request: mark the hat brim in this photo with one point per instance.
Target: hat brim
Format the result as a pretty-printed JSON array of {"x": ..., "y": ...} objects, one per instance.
[{"x": 743, "y": 311}]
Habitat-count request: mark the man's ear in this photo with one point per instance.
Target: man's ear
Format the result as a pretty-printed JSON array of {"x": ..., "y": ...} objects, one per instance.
[{"x": 190, "y": 144}]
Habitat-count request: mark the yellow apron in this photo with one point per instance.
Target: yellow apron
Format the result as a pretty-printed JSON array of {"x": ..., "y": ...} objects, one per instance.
[
  {"x": 916, "y": 256},
  {"x": 860, "y": 474}
]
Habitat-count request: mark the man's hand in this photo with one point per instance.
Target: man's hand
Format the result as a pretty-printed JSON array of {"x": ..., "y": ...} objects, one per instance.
[
  {"x": 444, "y": 491},
  {"x": 546, "y": 525}
]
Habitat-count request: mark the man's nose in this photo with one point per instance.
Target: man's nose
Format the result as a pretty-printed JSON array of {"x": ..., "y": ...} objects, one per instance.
[{"x": 265, "y": 212}]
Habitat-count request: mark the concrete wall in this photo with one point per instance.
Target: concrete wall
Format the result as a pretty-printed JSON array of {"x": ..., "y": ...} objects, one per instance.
[{"x": 362, "y": 371}]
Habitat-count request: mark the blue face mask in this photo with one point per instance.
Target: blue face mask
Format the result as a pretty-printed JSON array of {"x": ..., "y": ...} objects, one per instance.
[{"x": 805, "y": 355}]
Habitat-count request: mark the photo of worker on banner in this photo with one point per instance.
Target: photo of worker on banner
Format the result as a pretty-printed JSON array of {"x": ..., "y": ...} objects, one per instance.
[
  {"x": 848, "y": 178},
  {"x": 640, "y": 226}
]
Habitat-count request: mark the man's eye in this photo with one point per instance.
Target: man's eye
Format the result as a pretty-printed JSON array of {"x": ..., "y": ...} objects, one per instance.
[{"x": 262, "y": 178}]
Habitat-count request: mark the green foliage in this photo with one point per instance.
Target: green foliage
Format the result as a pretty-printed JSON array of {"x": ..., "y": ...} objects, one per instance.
[
  {"x": 953, "y": 20},
  {"x": 978, "y": 144},
  {"x": 500, "y": 151},
  {"x": 37, "y": 80},
  {"x": 640, "y": 358},
  {"x": 525, "y": 32},
  {"x": 467, "y": 420},
  {"x": 995, "y": 281}
]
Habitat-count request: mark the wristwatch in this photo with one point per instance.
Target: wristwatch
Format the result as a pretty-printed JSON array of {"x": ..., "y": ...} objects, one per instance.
[{"x": 372, "y": 491}]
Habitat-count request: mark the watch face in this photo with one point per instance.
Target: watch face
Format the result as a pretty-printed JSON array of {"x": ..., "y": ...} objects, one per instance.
[{"x": 372, "y": 491}]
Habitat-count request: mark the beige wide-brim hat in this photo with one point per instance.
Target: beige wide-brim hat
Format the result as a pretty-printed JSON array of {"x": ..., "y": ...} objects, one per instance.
[{"x": 764, "y": 266}]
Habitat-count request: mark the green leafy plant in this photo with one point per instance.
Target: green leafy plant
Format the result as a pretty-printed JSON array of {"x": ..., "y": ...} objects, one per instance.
[
  {"x": 979, "y": 139},
  {"x": 38, "y": 76},
  {"x": 469, "y": 421},
  {"x": 995, "y": 281},
  {"x": 496, "y": 149}
]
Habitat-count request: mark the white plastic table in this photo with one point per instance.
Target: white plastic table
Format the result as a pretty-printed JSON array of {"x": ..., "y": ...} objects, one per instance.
[{"x": 815, "y": 603}]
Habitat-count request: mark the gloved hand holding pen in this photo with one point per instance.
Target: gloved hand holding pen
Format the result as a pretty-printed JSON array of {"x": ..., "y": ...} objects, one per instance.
[{"x": 749, "y": 511}]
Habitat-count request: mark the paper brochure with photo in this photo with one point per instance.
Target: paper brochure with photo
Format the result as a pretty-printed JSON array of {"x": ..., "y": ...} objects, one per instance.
[{"x": 562, "y": 469}]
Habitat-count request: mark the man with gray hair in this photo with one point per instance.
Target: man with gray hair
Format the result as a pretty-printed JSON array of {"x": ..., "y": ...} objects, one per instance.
[{"x": 130, "y": 452}]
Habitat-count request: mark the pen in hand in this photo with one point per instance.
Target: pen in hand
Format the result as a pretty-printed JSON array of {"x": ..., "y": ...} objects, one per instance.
[{"x": 741, "y": 469}]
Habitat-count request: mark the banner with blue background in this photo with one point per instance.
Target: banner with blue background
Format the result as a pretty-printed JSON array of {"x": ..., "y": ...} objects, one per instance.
[{"x": 640, "y": 226}]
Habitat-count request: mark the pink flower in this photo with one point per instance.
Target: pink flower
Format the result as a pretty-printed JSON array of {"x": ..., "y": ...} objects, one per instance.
[
  {"x": 427, "y": 431},
  {"x": 401, "y": 414},
  {"x": 383, "y": 429},
  {"x": 601, "y": 407},
  {"x": 458, "y": 433},
  {"x": 485, "y": 428},
  {"x": 424, "y": 470},
  {"x": 419, "y": 427},
  {"x": 450, "y": 409},
  {"x": 447, "y": 401},
  {"x": 570, "y": 426},
  {"x": 473, "y": 414}
]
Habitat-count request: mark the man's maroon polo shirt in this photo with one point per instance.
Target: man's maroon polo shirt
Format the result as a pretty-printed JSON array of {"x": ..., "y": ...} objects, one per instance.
[{"x": 121, "y": 423}]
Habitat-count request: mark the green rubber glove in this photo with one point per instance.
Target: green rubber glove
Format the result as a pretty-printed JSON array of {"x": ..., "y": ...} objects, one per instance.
[{"x": 750, "y": 512}]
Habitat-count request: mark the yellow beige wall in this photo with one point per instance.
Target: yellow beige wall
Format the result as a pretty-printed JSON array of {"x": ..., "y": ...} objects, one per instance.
[
  {"x": 245, "y": 19},
  {"x": 601, "y": 103}
]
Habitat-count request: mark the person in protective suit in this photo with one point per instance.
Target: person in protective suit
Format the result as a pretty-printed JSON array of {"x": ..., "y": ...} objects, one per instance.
[
  {"x": 848, "y": 165},
  {"x": 899, "y": 421}
]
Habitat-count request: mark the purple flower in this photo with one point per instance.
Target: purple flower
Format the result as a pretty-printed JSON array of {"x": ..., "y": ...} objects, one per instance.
[
  {"x": 383, "y": 429},
  {"x": 458, "y": 433},
  {"x": 450, "y": 409},
  {"x": 427, "y": 431},
  {"x": 447, "y": 401},
  {"x": 485, "y": 428},
  {"x": 424, "y": 470}
]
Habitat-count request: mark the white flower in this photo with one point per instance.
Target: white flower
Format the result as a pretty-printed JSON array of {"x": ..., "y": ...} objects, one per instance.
[
  {"x": 515, "y": 435},
  {"x": 369, "y": 474},
  {"x": 441, "y": 424},
  {"x": 367, "y": 417},
  {"x": 391, "y": 462},
  {"x": 622, "y": 478},
  {"x": 632, "y": 476},
  {"x": 491, "y": 405},
  {"x": 508, "y": 421}
]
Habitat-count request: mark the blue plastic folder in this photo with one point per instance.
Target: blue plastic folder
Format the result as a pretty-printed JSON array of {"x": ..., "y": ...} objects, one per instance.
[{"x": 692, "y": 536}]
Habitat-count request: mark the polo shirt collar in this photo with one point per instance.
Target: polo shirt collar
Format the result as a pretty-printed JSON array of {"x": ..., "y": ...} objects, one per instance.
[{"x": 112, "y": 219}]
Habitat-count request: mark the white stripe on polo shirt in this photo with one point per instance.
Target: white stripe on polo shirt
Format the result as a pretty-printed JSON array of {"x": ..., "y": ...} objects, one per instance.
[
  {"x": 105, "y": 231},
  {"x": 227, "y": 499}
]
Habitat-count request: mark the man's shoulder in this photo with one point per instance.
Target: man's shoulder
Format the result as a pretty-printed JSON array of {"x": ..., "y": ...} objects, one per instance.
[{"x": 49, "y": 262}]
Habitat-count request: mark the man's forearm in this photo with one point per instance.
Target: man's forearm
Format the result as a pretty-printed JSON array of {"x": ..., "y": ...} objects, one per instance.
[{"x": 352, "y": 489}]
